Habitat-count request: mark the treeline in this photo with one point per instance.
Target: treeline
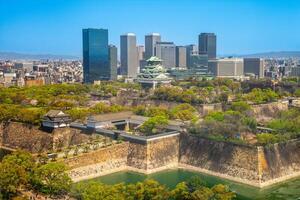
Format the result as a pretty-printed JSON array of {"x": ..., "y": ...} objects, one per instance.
[
  {"x": 29, "y": 104},
  {"x": 20, "y": 171},
  {"x": 213, "y": 95},
  {"x": 193, "y": 189},
  {"x": 52, "y": 95},
  {"x": 33, "y": 115}
]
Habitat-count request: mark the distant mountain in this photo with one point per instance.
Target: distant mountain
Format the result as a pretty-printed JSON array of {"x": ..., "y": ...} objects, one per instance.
[
  {"x": 23, "y": 56},
  {"x": 278, "y": 54}
]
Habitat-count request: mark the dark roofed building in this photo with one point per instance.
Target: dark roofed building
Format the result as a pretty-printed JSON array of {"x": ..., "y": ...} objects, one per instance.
[{"x": 56, "y": 119}]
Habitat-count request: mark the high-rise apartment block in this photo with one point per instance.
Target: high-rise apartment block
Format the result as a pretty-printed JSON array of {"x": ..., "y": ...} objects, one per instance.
[
  {"x": 95, "y": 55},
  {"x": 129, "y": 57}
]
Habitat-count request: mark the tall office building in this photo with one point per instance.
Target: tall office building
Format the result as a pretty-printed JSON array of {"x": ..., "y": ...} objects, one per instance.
[
  {"x": 150, "y": 42},
  {"x": 254, "y": 66},
  {"x": 113, "y": 61},
  {"x": 95, "y": 55},
  {"x": 190, "y": 50},
  {"x": 181, "y": 56},
  {"x": 208, "y": 45},
  {"x": 140, "y": 52},
  {"x": 129, "y": 61},
  {"x": 167, "y": 52}
]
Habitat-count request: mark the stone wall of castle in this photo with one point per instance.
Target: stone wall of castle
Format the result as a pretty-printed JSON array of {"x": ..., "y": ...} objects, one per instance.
[
  {"x": 158, "y": 153},
  {"x": 267, "y": 112},
  {"x": 25, "y": 136},
  {"x": 259, "y": 166},
  {"x": 31, "y": 138},
  {"x": 163, "y": 152},
  {"x": 280, "y": 160},
  {"x": 220, "y": 157},
  {"x": 99, "y": 162},
  {"x": 137, "y": 156}
]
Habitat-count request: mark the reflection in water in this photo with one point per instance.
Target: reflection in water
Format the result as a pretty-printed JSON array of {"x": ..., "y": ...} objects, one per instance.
[{"x": 286, "y": 191}]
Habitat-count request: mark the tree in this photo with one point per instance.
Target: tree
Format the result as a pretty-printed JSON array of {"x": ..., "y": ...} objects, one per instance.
[
  {"x": 240, "y": 106},
  {"x": 222, "y": 192},
  {"x": 202, "y": 193},
  {"x": 194, "y": 183},
  {"x": 184, "y": 112},
  {"x": 153, "y": 125},
  {"x": 78, "y": 113},
  {"x": 181, "y": 192},
  {"x": 267, "y": 138},
  {"x": 15, "y": 172},
  {"x": 98, "y": 191},
  {"x": 12, "y": 177},
  {"x": 149, "y": 190},
  {"x": 52, "y": 179}
]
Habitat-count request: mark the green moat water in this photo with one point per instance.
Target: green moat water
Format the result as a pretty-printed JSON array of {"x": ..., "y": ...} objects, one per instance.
[{"x": 286, "y": 191}]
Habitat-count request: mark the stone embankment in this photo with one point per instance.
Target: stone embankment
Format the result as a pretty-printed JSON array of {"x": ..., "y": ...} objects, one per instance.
[
  {"x": 256, "y": 166},
  {"x": 100, "y": 162},
  {"x": 155, "y": 155},
  {"x": 31, "y": 138},
  {"x": 268, "y": 111}
]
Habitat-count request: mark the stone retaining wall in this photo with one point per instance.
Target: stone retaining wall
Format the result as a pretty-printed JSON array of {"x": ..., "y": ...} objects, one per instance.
[
  {"x": 257, "y": 166},
  {"x": 280, "y": 160},
  {"x": 99, "y": 162},
  {"x": 31, "y": 138},
  {"x": 268, "y": 111},
  {"x": 154, "y": 154},
  {"x": 224, "y": 158}
]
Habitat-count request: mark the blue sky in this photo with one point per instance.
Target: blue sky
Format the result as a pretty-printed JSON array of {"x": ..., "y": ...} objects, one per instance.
[{"x": 242, "y": 26}]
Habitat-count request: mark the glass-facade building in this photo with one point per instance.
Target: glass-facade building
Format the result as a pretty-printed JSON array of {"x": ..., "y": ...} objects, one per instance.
[
  {"x": 95, "y": 55},
  {"x": 208, "y": 45}
]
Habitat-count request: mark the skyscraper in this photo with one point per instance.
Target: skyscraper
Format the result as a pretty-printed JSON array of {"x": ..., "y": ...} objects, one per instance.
[
  {"x": 167, "y": 52},
  {"x": 95, "y": 55},
  {"x": 113, "y": 62},
  {"x": 129, "y": 61},
  {"x": 181, "y": 56},
  {"x": 208, "y": 45},
  {"x": 141, "y": 52},
  {"x": 254, "y": 66},
  {"x": 150, "y": 41}
]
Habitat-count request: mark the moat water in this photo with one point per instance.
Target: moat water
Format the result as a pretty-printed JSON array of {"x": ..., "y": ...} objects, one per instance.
[{"x": 286, "y": 191}]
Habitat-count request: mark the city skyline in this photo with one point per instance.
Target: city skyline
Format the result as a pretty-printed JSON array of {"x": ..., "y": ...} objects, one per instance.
[{"x": 242, "y": 27}]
